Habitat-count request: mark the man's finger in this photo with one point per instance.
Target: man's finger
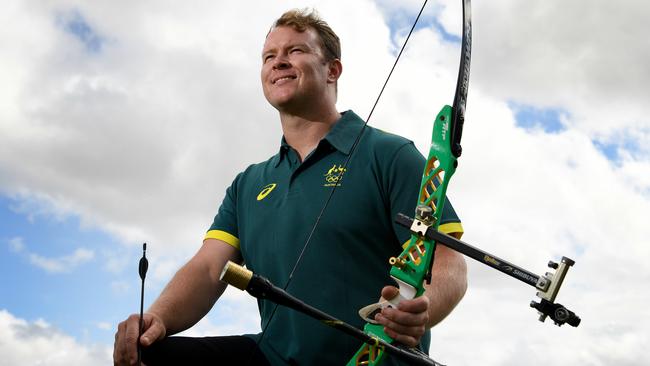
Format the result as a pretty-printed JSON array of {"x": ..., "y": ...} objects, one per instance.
[
  {"x": 389, "y": 292},
  {"x": 131, "y": 338},
  {"x": 401, "y": 338},
  {"x": 417, "y": 305},
  {"x": 155, "y": 332},
  {"x": 403, "y": 318}
]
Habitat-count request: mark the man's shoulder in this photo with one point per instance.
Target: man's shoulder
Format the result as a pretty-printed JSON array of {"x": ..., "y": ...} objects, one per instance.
[
  {"x": 382, "y": 143},
  {"x": 386, "y": 138},
  {"x": 376, "y": 134}
]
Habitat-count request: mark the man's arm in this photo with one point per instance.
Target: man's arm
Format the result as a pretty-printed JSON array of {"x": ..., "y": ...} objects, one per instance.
[
  {"x": 195, "y": 288},
  {"x": 185, "y": 300},
  {"x": 412, "y": 318},
  {"x": 448, "y": 284}
]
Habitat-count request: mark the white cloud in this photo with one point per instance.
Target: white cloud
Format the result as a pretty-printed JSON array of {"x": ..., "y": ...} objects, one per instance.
[
  {"x": 105, "y": 326},
  {"x": 120, "y": 287},
  {"x": 64, "y": 263},
  {"x": 235, "y": 313},
  {"x": 141, "y": 140},
  {"x": 530, "y": 198},
  {"x": 38, "y": 343},
  {"x": 568, "y": 55},
  {"x": 116, "y": 260},
  {"x": 16, "y": 244}
]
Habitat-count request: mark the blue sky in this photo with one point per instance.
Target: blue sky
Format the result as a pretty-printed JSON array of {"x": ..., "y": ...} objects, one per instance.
[
  {"x": 75, "y": 24},
  {"x": 39, "y": 280},
  {"x": 120, "y": 125}
]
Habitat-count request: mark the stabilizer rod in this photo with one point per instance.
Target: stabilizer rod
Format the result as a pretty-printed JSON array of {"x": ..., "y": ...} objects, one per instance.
[{"x": 262, "y": 288}]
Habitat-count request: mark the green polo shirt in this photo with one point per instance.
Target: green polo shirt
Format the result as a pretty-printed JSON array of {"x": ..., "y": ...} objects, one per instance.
[{"x": 271, "y": 207}]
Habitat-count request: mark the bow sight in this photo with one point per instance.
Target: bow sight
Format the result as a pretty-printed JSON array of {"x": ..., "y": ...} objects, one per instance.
[{"x": 547, "y": 286}]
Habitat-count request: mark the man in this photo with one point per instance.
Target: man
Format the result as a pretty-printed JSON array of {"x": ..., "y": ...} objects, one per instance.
[{"x": 268, "y": 213}]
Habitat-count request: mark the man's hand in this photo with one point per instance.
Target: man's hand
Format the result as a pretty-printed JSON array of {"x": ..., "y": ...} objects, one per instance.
[
  {"x": 125, "y": 351},
  {"x": 406, "y": 323}
]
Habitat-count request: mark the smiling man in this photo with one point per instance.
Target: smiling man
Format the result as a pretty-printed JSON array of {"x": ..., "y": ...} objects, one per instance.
[{"x": 269, "y": 210}]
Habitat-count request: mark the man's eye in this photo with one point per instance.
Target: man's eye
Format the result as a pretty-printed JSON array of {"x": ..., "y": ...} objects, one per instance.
[
  {"x": 267, "y": 58},
  {"x": 296, "y": 50}
]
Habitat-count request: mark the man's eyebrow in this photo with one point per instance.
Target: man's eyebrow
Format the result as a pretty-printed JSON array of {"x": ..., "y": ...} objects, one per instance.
[
  {"x": 290, "y": 45},
  {"x": 266, "y": 51},
  {"x": 299, "y": 44}
]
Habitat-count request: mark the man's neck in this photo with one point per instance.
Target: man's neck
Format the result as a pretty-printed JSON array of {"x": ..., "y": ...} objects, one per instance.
[{"x": 304, "y": 132}]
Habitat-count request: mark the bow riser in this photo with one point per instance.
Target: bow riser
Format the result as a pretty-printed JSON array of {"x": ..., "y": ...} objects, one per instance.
[{"x": 413, "y": 265}]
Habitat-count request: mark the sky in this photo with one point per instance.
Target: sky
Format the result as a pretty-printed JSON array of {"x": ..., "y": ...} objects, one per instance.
[{"x": 123, "y": 122}]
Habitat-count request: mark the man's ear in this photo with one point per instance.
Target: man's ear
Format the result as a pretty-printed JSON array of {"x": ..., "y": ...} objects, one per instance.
[{"x": 335, "y": 68}]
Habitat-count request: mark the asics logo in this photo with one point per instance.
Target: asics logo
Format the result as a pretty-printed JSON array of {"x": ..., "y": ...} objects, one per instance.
[{"x": 265, "y": 191}]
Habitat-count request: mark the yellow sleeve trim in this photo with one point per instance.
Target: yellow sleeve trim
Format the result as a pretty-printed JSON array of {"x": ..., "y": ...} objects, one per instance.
[
  {"x": 223, "y": 236},
  {"x": 454, "y": 229}
]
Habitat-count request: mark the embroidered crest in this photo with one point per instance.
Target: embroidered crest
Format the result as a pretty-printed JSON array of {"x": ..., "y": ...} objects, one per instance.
[{"x": 334, "y": 176}]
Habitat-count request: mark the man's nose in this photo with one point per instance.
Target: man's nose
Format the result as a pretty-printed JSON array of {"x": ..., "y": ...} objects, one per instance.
[{"x": 281, "y": 62}]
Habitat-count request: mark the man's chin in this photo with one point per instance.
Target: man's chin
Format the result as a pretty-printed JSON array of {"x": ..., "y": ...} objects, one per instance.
[
  {"x": 286, "y": 104},
  {"x": 278, "y": 100}
]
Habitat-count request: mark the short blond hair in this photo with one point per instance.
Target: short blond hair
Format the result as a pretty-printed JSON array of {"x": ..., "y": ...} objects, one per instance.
[{"x": 301, "y": 19}]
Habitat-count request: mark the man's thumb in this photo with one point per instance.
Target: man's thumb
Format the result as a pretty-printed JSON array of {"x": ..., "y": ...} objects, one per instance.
[
  {"x": 389, "y": 292},
  {"x": 155, "y": 332}
]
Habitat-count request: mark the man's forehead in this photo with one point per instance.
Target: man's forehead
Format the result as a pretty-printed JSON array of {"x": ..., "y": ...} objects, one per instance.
[{"x": 282, "y": 35}]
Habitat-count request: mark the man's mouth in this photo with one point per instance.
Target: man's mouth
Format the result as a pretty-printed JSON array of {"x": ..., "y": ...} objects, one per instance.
[{"x": 283, "y": 78}]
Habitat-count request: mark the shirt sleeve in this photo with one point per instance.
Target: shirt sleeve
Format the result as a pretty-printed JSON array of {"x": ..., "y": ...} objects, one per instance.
[
  {"x": 224, "y": 226},
  {"x": 405, "y": 175}
]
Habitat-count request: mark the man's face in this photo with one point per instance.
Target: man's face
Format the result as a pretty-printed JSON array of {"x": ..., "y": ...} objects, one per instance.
[{"x": 294, "y": 73}]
